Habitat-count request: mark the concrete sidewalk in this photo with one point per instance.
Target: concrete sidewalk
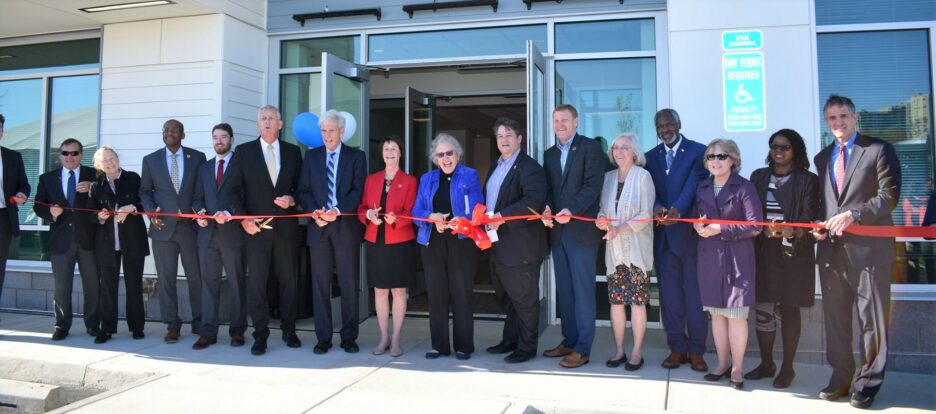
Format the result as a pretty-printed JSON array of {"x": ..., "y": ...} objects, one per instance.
[{"x": 149, "y": 376}]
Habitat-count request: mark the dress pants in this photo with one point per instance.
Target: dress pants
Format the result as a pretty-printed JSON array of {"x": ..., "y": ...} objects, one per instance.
[
  {"x": 63, "y": 270},
  {"x": 450, "y": 264},
  {"x": 167, "y": 255},
  {"x": 846, "y": 287},
  {"x": 517, "y": 290},
  {"x": 575, "y": 268},
  {"x": 6, "y": 237},
  {"x": 681, "y": 303},
  {"x": 133, "y": 281},
  {"x": 212, "y": 259},
  {"x": 331, "y": 257},
  {"x": 277, "y": 253}
]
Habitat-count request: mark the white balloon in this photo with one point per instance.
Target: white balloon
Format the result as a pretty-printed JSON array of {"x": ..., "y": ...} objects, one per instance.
[{"x": 349, "y": 127}]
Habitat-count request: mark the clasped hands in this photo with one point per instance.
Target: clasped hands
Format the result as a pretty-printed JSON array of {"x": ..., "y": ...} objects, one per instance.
[
  {"x": 706, "y": 230},
  {"x": 563, "y": 217},
  {"x": 373, "y": 215},
  {"x": 666, "y": 216},
  {"x": 122, "y": 213},
  {"x": 835, "y": 225}
]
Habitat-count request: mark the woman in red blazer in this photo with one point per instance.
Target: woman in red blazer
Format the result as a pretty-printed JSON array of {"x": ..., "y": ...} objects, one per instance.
[{"x": 391, "y": 246}]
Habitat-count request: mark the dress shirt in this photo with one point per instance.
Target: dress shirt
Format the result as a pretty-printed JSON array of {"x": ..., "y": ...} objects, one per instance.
[
  {"x": 65, "y": 179},
  {"x": 180, "y": 160},
  {"x": 497, "y": 179},
  {"x": 564, "y": 151}
]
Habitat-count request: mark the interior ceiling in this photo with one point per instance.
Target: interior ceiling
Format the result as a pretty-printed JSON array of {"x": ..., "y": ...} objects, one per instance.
[{"x": 32, "y": 17}]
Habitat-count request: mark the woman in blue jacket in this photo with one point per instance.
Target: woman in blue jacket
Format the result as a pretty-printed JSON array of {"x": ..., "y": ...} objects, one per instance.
[{"x": 449, "y": 261}]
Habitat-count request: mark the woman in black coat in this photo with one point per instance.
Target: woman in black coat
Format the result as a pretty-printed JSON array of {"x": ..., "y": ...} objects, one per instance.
[
  {"x": 120, "y": 238},
  {"x": 786, "y": 259}
]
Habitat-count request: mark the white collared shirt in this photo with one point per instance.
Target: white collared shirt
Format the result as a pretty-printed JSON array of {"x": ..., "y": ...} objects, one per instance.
[{"x": 65, "y": 179}]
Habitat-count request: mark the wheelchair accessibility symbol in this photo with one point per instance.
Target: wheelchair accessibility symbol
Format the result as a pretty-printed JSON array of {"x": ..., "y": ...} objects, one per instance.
[{"x": 742, "y": 96}]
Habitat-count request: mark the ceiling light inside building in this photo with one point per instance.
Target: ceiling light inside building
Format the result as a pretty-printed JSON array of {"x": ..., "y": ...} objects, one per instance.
[{"x": 123, "y": 6}]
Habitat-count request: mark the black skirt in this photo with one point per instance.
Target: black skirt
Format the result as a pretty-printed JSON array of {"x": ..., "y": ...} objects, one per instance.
[{"x": 391, "y": 265}]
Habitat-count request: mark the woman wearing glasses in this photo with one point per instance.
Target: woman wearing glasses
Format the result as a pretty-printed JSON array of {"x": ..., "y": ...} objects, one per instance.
[
  {"x": 726, "y": 255},
  {"x": 786, "y": 258},
  {"x": 449, "y": 261},
  {"x": 120, "y": 238}
]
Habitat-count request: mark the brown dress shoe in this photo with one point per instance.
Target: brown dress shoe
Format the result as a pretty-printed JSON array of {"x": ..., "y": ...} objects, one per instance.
[
  {"x": 172, "y": 336},
  {"x": 559, "y": 351},
  {"x": 697, "y": 362},
  {"x": 573, "y": 360},
  {"x": 237, "y": 340},
  {"x": 203, "y": 342},
  {"x": 675, "y": 359}
]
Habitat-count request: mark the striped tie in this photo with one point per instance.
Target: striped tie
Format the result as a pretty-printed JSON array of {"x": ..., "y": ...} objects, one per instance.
[
  {"x": 840, "y": 170},
  {"x": 332, "y": 201}
]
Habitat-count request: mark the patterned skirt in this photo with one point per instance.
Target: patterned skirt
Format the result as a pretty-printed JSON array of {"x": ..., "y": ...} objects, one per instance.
[{"x": 628, "y": 285}]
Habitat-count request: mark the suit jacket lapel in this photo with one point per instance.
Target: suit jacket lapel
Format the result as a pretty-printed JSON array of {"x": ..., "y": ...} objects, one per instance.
[
  {"x": 855, "y": 158},
  {"x": 505, "y": 185},
  {"x": 569, "y": 159}
]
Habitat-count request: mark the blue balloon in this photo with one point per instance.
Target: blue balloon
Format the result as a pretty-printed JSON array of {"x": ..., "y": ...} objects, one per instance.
[{"x": 306, "y": 129}]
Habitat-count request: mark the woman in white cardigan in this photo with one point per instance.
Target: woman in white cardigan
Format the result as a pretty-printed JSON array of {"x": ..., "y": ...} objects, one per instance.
[{"x": 626, "y": 208}]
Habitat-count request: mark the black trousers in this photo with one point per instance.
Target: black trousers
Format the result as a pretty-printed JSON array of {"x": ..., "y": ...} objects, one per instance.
[
  {"x": 63, "y": 271},
  {"x": 450, "y": 265},
  {"x": 212, "y": 259},
  {"x": 845, "y": 288},
  {"x": 329, "y": 257},
  {"x": 279, "y": 254},
  {"x": 517, "y": 290},
  {"x": 6, "y": 237},
  {"x": 133, "y": 282}
]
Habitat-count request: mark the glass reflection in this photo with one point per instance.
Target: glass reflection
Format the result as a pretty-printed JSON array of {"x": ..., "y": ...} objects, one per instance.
[
  {"x": 609, "y": 36},
  {"x": 74, "y": 114},
  {"x": 21, "y": 105},
  {"x": 493, "y": 41}
]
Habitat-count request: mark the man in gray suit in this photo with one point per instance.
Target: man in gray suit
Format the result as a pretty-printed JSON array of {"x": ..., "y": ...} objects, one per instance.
[
  {"x": 220, "y": 242},
  {"x": 168, "y": 186}
]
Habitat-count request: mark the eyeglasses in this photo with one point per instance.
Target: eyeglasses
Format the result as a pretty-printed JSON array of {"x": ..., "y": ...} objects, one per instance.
[
  {"x": 777, "y": 147},
  {"x": 713, "y": 157},
  {"x": 448, "y": 153},
  {"x": 70, "y": 153}
]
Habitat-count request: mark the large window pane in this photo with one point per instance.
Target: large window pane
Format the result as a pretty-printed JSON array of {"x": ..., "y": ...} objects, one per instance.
[
  {"x": 610, "y": 36},
  {"x": 21, "y": 105},
  {"x": 308, "y": 52},
  {"x": 887, "y": 75},
  {"x": 42, "y": 56},
  {"x": 494, "y": 41},
  {"x": 611, "y": 96},
  {"x": 299, "y": 93},
  {"x": 873, "y": 11},
  {"x": 74, "y": 114}
]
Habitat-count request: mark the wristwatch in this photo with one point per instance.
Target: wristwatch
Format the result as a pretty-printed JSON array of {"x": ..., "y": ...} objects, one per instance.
[{"x": 856, "y": 215}]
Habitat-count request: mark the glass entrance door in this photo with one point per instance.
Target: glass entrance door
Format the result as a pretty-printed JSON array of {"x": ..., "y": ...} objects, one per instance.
[{"x": 418, "y": 133}]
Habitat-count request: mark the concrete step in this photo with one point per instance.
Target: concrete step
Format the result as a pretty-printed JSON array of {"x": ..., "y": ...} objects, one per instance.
[{"x": 30, "y": 397}]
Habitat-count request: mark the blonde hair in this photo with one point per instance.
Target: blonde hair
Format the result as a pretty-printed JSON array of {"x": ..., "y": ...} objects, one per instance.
[{"x": 730, "y": 147}]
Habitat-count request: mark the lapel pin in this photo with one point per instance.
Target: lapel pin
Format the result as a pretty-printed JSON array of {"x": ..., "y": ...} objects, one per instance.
[
  {"x": 399, "y": 185},
  {"x": 574, "y": 148}
]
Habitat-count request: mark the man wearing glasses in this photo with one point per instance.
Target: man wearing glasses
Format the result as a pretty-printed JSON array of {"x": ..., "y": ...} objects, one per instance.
[{"x": 71, "y": 236}]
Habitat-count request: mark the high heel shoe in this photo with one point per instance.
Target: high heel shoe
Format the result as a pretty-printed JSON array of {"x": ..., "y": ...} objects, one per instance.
[
  {"x": 738, "y": 385},
  {"x": 396, "y": 353},
  {"x": 717, "y": 377},
  {"x": 381, "y": 350}
]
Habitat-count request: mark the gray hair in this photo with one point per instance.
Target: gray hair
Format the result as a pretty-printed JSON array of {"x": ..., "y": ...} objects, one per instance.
[
  {"x": 334, "y": 116},
  {"x": 444, "y": 138},
  {"x": 730, "y": 147},
  {"x": 631, "y": 138},
  {"x": 98, "y": 157},
  {"x": 670, "y": 112},
  {"x": 269, "y": 108}
]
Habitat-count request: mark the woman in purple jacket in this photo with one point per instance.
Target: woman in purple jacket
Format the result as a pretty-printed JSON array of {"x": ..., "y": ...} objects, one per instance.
[{"x": 726, "y": 255}]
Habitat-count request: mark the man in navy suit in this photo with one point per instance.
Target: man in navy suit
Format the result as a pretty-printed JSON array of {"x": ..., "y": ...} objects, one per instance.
[
  {"x": 331, "y": 183},
  {"x": 14, "y": 191},
  {"x": 71, "y": 235},
  {"x": 168, "y": 186},
  {"x": 575, "y": 168},
  {"x": 676, "y": 168},
  {"x": 515, "y": 184},
  {"x": 220, "y": 242}
]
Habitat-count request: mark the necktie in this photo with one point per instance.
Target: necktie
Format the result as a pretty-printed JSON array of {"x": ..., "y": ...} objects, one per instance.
[
  {"x": 840, "y": 169},
  {"x": 271, "y": 163},
  {"x": 219, "y": 174},
  {"x": 332, "y": 200},
  {"x": 71, "y": 188},
  {"x": 174, "y": 172},
  {"x": 670, "y": 155}
]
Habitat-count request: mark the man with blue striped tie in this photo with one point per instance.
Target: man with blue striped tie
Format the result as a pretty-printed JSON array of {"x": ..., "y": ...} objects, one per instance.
[{"x": 334, "y": 240}]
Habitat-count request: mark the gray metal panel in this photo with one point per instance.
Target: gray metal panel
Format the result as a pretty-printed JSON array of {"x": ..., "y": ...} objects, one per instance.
[{"x": 280, "y": 12}]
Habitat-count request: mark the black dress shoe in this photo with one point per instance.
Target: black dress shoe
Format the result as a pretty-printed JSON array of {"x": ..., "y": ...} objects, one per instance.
[
  {"x": 614, "y": 363},
  {"x": 291, "y": 339},
  {"x": 633, "y": 367},
  {"x": 102, "y": 338},
  {"x": 433, "y": 354},
  {"x": 717, "y": 377},
  {"x": 462, "y": 356},
  {"x": 94, "y": 332},
  {"x": 762, "y": 371},
  {"x": 322, "y": 347},
  {"x": 350, "y": 347},
  {"x": 519, "y": 356},
  {"x": 502, "y": 348},
  {"x": 138, "y": 335},
  {"x": 259, "y": 347},
  {"x": 833, "y": 393},
  {"x": 59, "y": 335},
  {"x": 860, "y": 400}
]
